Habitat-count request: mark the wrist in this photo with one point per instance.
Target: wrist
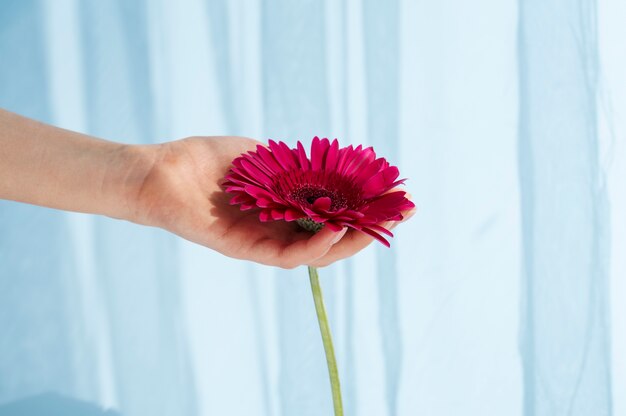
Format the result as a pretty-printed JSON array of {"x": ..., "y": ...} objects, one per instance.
[{"x": 127, "y": 171}]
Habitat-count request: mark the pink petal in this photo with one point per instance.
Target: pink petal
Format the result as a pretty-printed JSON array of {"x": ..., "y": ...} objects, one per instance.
[
  {"x": 390, "y": 199},
  {"x": 318, "y": 152},
  {"x": 241, "y": 198},
  {"x": 269, "y": 159},
  {"x": 305, "y": 164},
  {"x": 345, "y": 155},
  {"x": 231, "y": 189},
  {"x": 256, "y": 172},
  {"x": 283, "y": 155},
  {"x": 265, "y": 215},
  {"x": 378, "y": 182},
  {"x": 247, "y": 176},
  {"x": 333, "y": 226},
  {"x": 237, "y": 179},
  {"x": 292, "y": 214},
  {"x": 277, "y": 214},
  {"x": 296, "y": 157},
  {"x": 376, "y": 236},
  {"x": 396, "y": 183},
  {"x": 387, "y": 207},
  {"x": 380, "y": 229},
  {"x": 322, "y": 204},
  {"x": 332, "y": 157},
  {"x": 257, "y": 162},
  {"x": 370, "y": 154},
  {"x": 361, "y": 157},
  {"x": 314, "y": 215},
  {"x": 348, "y": 214},
  {"x": 265, "y": 203},
  {"x": 408, "y": 204},
  {"x": 368, "y": 171},
  {"x": 258, "y": 192}
]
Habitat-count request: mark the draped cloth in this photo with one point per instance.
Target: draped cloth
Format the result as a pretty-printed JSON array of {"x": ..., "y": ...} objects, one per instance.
[{"x": 504, "y": 295}]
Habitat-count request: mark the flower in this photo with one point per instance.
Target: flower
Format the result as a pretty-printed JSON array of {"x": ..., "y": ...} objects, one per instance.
[{"x": 347, "y": 187}]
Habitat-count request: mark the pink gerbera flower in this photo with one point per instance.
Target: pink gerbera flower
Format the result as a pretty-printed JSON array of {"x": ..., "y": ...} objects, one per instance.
[{"x": 347, "y": 187}]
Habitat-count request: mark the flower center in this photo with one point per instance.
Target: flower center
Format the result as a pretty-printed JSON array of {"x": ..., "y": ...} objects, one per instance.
[
  {"x": 304, "y": 188},
  {"x": 307, "y": 195}
]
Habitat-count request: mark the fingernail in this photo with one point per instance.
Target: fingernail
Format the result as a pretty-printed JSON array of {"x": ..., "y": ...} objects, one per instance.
[{"x": 338, "y": 236}]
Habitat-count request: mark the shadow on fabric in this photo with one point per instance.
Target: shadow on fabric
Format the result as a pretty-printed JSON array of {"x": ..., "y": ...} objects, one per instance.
[{"x": 49, "y": 404}]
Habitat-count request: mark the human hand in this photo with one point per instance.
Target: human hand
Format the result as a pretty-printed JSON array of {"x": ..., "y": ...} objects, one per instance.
[
  {"x": 181, "y": 192},
  {"x": 175, "y": 186}
]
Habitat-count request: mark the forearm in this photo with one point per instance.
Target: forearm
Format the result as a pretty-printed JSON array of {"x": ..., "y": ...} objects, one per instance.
[{"x": 57, "y": 168}]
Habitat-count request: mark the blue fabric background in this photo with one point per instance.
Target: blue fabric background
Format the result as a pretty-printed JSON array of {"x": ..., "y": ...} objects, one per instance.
[{"x": 504, "y": 295}]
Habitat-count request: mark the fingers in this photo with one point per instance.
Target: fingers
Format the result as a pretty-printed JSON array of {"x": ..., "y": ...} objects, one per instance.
[
  {"x": 353, "y": 242},
  {"x": 321, "y": 249},
  {"x": 307, "y": 251}
]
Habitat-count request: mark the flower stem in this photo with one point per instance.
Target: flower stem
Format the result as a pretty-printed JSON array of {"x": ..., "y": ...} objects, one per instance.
[{"x": 327, "y": 340}]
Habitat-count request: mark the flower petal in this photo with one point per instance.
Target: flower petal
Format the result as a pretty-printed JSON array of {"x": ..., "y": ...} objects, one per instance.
[
  {"x": 277, "y": 214},
  {"x": 283, "y": 155},
  {"x": 258, "y": 175},
  {"x": 380, "y": 229},
  {"x": 361, "y": 156},
  {"x": 235, "y": 188},
  {"x": 332, "y": 156},
  {"x": 305, "y": 164},
  {"x": 369, "y": 170},
  {"x": 322, "y": 204},
  {"x": 292, "y": 214},
  {"x": 377, "y": 183},
  {"x": 333, "y": 226},
  {"x": 265, "y": 203},
  {"x": 318, "y": 152},
  {"x": 345, "y": 155},
  {"x": 258, "y": 192},
  {"x": 246, "y": 177},
  {"x": 241, "y": 199},
  {"x": 257, "y": 162},
  {"x": 269, "y": 159},
  {"x": 375, "y": 235}
]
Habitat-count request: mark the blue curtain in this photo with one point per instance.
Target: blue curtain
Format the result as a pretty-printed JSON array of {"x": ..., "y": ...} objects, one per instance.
[{"x": 504, "y": 295}]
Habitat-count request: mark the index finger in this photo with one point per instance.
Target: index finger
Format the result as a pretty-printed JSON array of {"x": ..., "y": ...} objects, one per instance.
[{"x": 354, "y": 241}]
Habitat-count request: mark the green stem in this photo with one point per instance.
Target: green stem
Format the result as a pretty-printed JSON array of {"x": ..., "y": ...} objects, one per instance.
[{"x": 327, "y": 340}]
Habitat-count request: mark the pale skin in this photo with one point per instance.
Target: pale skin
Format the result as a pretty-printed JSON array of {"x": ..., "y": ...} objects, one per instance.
[{"x": 175, "y": 186}]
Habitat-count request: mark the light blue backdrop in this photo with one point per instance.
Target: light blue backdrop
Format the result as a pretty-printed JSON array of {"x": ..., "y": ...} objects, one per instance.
[{"x": 504, "y": 295}]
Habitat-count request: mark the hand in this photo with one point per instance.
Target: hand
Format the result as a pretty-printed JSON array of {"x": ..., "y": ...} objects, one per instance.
[{"x": 181, "y": 192}]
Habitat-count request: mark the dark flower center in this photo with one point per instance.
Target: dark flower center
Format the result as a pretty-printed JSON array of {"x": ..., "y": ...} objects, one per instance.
[
  {"x": 308, "y": 194},
  {"x": 304, "y": 188}
]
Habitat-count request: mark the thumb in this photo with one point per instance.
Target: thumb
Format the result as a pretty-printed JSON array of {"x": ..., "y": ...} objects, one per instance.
[{"x": 311, "y": 249}]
